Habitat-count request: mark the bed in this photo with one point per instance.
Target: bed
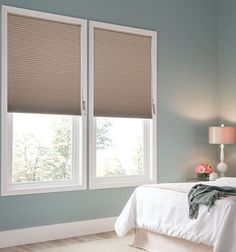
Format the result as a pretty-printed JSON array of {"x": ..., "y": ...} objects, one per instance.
[{"x": 159, "y": 215}]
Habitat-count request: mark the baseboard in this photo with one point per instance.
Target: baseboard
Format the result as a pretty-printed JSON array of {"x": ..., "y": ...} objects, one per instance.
[{"x": 54, "y": 232}]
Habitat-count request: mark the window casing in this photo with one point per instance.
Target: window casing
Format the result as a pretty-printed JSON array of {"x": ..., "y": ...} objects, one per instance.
[
  {"x": 148, "y": 125},
  {"x": 77, "y": 178}
]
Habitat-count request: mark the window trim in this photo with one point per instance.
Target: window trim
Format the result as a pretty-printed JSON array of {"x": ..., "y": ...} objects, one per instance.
[
  {"x": 80, "y": 183},
  {"x": 122, "y": 181}
]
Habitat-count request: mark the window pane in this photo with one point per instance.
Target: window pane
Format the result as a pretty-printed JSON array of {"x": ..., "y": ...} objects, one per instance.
[
  {"x": 42, "y": 148},
  {"x": 119, "y": 145}
]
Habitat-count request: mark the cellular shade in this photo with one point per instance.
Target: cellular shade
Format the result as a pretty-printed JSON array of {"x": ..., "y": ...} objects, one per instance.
[
  {"x": 222, "y": 135},
  {"x": 122, "y": 74},
  {"x": 44, "y": 66}
]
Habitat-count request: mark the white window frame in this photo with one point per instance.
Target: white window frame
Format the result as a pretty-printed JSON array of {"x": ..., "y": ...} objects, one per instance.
[
  {"x": 150, "y": 128},
  {"x": 79, "y": 144}
]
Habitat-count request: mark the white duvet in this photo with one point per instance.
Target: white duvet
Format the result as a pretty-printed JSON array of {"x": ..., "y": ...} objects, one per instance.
[{"x": 163, "y": 208}]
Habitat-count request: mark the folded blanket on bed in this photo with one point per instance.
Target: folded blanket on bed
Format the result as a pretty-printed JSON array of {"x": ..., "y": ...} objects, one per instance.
[{"x": 206, "y": 195}]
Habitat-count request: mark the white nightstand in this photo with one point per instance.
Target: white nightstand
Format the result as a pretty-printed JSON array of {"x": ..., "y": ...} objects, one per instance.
[{"x": 194, "y": 179}]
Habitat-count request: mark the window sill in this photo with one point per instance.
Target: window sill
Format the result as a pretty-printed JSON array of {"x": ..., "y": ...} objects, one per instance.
[
  {"x": 22, "y": 189},
  {"x": 118, "y": 182}
]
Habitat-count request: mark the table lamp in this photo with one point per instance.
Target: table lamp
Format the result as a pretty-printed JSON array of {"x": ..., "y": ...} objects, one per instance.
[{"x": 222, "y": 135}]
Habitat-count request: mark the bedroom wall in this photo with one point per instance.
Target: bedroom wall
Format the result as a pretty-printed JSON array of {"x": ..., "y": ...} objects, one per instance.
[
  {"x": 227, "y": 72},
  {"x": 186, "y": 101}
]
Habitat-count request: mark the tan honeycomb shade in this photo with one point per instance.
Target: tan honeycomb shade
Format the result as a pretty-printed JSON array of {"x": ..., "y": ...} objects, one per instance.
[
  {"x": 122, "y": 74},
  {"x": 44, "y": 66}
]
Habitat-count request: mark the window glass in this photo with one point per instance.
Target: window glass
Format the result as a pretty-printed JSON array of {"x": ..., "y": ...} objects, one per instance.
[
  {"x": 42, "y": 148},
  {"x": 119, "y": 145}
]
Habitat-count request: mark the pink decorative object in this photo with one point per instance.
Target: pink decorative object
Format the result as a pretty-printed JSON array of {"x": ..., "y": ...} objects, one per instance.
[
  {"x": 222, "y": 135},
  {"x": 203, "y": 171}
]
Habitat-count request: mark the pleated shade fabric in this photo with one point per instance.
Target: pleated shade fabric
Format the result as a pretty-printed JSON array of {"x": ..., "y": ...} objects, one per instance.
[
  {"x": 44, "y": 66},
  {"x": 122, "y": 74}
]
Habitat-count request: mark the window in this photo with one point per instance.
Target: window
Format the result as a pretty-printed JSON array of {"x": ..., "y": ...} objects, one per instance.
[
  {"x": 43, "y": 102},
  {"x": 120, "y": 146},
  {"x": 122, "y": 106},
  {"x": 42, "y": 147}
]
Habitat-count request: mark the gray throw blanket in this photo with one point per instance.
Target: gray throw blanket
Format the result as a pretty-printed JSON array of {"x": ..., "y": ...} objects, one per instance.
[{"x": 206, "y": 195}]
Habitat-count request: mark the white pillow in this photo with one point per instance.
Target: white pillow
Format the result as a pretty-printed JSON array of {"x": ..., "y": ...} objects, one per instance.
[
  {"x": 226, "y": 181},
  {"x": 227, "y": 178}
]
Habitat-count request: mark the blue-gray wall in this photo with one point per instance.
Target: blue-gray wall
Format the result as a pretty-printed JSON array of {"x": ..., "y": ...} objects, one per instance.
[
  {"x": 187, "y": 99},
  {"x": 227, "y": 72}
]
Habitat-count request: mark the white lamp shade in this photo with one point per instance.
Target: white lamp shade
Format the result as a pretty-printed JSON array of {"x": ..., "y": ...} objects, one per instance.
[{"x": 222, "y": 135}]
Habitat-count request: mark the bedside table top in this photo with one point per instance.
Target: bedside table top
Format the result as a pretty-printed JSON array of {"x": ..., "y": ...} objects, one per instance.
[{"x": 193, "y": 179}]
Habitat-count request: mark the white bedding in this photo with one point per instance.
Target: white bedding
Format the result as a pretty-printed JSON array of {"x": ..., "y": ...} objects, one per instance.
[{"x": 163, "y": 208}]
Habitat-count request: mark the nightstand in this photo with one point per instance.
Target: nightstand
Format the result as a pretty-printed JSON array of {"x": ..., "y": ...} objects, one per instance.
[{"x": 193, "y": 179}]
